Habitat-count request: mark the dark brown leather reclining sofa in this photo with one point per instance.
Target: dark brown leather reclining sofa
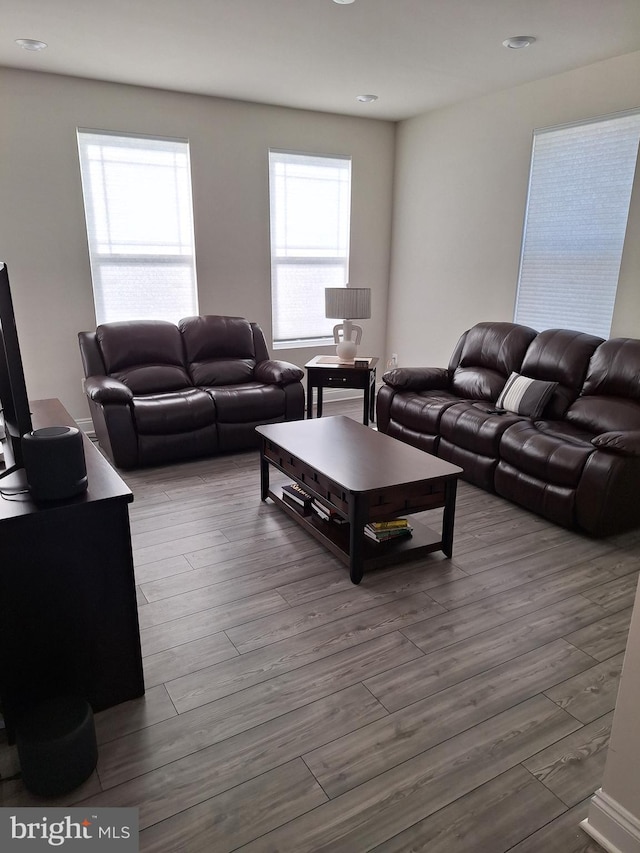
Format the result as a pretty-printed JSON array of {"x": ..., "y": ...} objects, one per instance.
[
  {"x": 566, "y": 445},
  {"x": 159, "y": 393}
]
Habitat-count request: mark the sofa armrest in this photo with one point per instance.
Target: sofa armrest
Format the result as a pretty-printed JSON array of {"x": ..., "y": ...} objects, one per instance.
[
  {"x": 277, "y": 372},
  {"x": 625, "y": 442},
  {"x": 104, "y": 389},
  {"x": 418, "y": 378}
]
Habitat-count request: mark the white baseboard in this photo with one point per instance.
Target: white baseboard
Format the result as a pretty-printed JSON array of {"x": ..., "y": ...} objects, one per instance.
[
  {"x": 86, "y": 425},
  {"x": 611, "y": 825},
  {"x": 329, "y": 394}
]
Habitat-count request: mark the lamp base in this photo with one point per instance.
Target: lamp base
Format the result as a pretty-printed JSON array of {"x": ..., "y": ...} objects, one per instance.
[
  {"x": 347, "y": 336},
  {"x": 346, "y": 350}
]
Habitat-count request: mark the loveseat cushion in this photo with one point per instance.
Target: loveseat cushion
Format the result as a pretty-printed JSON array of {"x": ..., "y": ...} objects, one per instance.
[
  {"x": 219, "y": 350},
  {"x": 551, "y": 451},
  {"x": 490, "y": 353},
  {"x": 222, "y": 371},
  {"x": 172, "y": 413},
  {"x": 250, "y": 402},
  {"x": 146, "y": 355}
]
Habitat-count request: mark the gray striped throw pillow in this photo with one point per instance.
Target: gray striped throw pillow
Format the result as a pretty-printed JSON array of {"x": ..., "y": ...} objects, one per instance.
[{"x": 525, "y": 396}]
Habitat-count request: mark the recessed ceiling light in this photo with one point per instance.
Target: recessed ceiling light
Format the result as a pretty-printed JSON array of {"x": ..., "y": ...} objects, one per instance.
[
  {"x": 31, "y": 44},
  {"x": 366, "y": 99},
  {"x": 343, "y": 2},
  {"x": 518, "y": 42}
]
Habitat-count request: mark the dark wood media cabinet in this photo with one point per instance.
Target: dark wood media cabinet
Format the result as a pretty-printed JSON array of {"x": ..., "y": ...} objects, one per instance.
[{"x": 68, "y": 614}]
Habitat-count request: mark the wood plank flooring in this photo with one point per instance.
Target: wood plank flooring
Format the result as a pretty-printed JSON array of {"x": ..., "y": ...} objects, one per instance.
[{"x": 449, "y": 706}]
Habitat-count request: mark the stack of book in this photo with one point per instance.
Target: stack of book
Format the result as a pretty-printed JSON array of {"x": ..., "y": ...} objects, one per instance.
[
  {"x": 383, "y": 531},
  {"x": 327, "y": 513},
  {"x": 296, "y": 495}
]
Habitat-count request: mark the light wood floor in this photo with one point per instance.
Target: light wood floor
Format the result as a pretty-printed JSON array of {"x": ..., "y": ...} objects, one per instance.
[{"x": 450, "y": 706}]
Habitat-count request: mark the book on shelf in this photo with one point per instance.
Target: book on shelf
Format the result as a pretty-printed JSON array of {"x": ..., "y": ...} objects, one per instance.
[
  {"x": 297, "y": 494},
  {"x": 392, "y": 524},
  {"x": 327, "y": 513},
  {"x": 387, "y": 535}
]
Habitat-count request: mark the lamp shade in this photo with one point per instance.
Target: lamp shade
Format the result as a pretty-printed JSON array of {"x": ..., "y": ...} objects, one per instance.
[{"x": 347, "y": 303}]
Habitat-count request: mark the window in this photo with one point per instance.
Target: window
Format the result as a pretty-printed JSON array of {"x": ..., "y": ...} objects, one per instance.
[
  {"x": 137, "y": 200},
  {"x": 310, "y": 213},
  {"x": 577, "y": 209}
]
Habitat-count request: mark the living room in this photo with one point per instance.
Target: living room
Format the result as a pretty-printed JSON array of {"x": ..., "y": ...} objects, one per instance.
[
  {"x": 438, "y": 202},
  {"x": 449, "y": 185}
]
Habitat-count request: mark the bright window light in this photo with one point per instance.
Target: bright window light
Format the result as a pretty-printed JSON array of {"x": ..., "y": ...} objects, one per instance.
[
  {"x": 310, "y": 226},
  {"x": 139, "y": 215},
  {"x": 577, "y": 210}
]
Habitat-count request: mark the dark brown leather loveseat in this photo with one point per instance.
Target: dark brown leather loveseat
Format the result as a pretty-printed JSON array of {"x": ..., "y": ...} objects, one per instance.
[
  {"x": 159, "y": 392},
  {"x": 573, "y": 457}
]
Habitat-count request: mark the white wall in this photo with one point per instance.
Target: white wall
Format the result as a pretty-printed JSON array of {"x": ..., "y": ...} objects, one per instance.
[
  {"x": 42, "y": 231},
  {"x": 460, "y": 194}
]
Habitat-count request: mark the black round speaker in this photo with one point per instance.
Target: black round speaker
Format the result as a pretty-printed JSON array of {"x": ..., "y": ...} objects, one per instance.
[{"x": 54, "y": 463}]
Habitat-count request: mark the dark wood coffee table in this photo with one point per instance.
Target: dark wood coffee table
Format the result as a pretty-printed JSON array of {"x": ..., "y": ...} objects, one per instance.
[{"x": 365, "y": 476}]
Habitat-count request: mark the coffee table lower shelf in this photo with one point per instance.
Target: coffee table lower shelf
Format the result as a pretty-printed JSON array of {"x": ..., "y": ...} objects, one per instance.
[{"x": 335, "y": 537}]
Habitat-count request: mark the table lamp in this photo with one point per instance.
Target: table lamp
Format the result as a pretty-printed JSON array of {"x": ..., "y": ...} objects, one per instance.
[{"x": 347, "y": 304}]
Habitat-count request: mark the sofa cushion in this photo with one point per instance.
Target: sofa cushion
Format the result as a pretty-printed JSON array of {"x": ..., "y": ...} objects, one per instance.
[
  {"x": 475, "y": 427},
  {"x": 477, "y": 469},
  {"x": 536, "y": 494},
  {"x": 146, "y": 355},
  {"x": 610, "y": 398},
  {"x": 562, "y": 356},
  {"x": 604, "y": 414},
  {"x": 421, "y": 410},
  {"x": 490, "y": 353},
  {"x": 550, "y": 451},
  {"x": 614, "y": 370},
  {"x": 525, "y": 396},
  {"x": 177, "y": 412}
]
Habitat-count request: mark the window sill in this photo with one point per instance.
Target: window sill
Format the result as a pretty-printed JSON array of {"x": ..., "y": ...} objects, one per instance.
[{"x": 306, "y": 344}]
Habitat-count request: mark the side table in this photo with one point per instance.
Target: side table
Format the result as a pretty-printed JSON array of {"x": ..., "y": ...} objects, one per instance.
[{"x": 327, "y": 372}]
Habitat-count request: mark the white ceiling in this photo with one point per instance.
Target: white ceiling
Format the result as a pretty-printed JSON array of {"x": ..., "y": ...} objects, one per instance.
[{"x": 315, "y": 54}]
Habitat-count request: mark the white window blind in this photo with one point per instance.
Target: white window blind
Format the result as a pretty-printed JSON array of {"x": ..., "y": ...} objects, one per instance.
[
  {"x": 579, "y": 193},
  {"x": 310, "y": 217},
  {"x": 137, "y": 199}
]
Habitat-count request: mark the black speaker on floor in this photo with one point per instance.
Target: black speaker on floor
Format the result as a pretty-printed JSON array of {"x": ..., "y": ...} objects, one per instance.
[{"x": 54, "y": 463}]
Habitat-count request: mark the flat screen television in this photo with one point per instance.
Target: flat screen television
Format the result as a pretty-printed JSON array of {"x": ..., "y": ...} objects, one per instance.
[{"x": 14, "y": 401}]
